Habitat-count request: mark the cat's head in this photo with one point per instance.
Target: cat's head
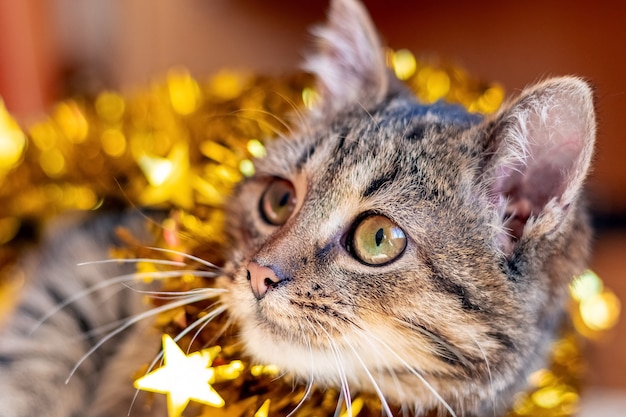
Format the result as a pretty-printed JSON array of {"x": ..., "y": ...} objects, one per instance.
[{"x": 417, "y": 249}]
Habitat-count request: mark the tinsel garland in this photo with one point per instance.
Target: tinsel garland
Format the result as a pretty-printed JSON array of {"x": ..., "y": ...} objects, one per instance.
[{"x": 181, "y": 145}]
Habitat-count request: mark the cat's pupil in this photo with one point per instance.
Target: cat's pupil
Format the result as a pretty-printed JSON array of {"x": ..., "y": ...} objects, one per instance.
[
  {"x": 379, "y": 236},
  {"x": 284, "y": 200}
]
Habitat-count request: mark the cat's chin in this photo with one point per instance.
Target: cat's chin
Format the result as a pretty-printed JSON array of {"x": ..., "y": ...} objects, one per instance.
[
  {"x": 331, "y": 366},
  {"x": 334, "y": 365}
]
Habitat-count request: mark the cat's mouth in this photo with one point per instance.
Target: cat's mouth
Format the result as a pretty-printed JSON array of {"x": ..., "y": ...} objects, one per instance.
[{"x": 283, "y": 310}]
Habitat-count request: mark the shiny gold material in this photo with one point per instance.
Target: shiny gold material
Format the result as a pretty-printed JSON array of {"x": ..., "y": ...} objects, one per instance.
[{"x": 12, "y": 142}]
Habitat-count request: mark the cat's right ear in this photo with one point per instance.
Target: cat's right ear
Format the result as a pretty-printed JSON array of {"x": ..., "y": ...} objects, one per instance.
[
  {"x": 538, "y": 156},
  {"x": 349, "y": 64}
]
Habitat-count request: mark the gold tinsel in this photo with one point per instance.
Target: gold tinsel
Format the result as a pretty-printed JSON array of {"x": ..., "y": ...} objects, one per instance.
[{"x": 181, "y": 145}]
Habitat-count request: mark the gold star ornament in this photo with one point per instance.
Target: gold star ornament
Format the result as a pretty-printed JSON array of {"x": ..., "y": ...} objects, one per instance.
[{"x": 187, "y": 377}]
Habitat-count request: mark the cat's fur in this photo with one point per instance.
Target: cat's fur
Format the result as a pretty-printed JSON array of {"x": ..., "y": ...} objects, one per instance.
[{"x": 495, "y": 231}]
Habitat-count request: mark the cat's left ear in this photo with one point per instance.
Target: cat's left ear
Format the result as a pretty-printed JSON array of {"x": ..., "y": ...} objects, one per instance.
[
  {"x": 349, "y": 64},
  {"x": 539, "y": 152}
]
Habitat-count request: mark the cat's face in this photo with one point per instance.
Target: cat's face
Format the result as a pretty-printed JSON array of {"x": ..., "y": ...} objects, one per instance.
[
  {"x": 357, "y": 246},
  {"x": 417, "y": 251}
]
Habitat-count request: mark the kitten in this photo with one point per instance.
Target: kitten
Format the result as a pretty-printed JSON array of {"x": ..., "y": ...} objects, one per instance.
[{"x": 419, "y": 252}]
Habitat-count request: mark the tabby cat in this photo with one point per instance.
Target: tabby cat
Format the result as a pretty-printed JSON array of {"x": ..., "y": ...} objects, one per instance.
[{"x": 416, "y": 251}]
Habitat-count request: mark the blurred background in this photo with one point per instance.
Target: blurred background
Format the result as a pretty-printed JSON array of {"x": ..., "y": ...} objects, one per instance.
[{"x": 50, "y": 49}]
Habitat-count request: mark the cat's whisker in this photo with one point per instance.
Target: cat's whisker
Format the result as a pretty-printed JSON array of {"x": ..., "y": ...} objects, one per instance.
[
  {"x": 297, "y": 110},
  {"x": 132, "y": 403},
  {"x": 309, "y": 385},
  {"x": 97, "y": 331},
  {"x": 134, "y": 261},
  {"x": 369, "y": 114},
  {"x": 136, "y": 276},
  {"x": 187, "y": 256},
  {"x": 340, "y": 402},
  {"x": 109, "y": 326},
  {"x": 160, "y": 275},
  {"x": 99, "y": 286},
  {"x": 228, "y": 322},
  {"x": 133, "y": 320},
  {"x": 307, "y": 392},
  {"x": 200, "y": 323},
  {"x": 415, "y": 372},
  {"x": 345, "y": 388},
  {"x": 381, "y": 396},
  {"x": 382, "y": 365},
  {"x": 308, "y": 341},
  {"x": 491, "y": 386},
  {"x": 174, "y": 295},
  {"x": 458, "y": 355},
  {"x": 280, "y": 121}
]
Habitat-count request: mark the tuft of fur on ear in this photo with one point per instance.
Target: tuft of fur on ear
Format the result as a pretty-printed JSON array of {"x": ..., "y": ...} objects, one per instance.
[
  {"x": 350, "y": 64},
  {"x": 541, "y": 150}
]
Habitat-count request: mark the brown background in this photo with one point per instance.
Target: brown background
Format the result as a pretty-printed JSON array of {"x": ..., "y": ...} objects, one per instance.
[{"x": 48, "y": 48}]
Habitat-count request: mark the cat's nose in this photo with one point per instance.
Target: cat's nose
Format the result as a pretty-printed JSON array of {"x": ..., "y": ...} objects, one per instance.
[{"x": 261, "y": 279}]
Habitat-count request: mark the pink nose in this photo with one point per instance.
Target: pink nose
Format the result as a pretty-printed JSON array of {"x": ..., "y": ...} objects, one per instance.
[{"x": 261, "y": 279}]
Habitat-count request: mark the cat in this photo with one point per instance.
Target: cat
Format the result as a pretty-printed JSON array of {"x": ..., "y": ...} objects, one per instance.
[{"x": 420, "y": 252}]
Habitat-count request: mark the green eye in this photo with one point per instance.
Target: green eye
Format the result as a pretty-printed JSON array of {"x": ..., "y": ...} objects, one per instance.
[
  {"x": 377, "y": 240},
  {"x": 278, "y": 202}
]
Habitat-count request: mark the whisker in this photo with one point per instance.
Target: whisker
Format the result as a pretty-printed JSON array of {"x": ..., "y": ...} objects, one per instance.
[
  {"x": 384, "y": 367},
  {"x": 340, "y": 402},
  {"x": 383, "y": 401},
  {"x": 112, "y": 325},
  {"x": 438, "y": 340},
  {"x": 309, "y": 385},
  {"x": 135, "y": 319},
  {"x": 414, "y": 371},
  {"x": 369, "y": 114},
  {"x": 118, "y": 280},
  {"x": 201, "y": 323},
  {"x": 97, "y": 330},
  {"x": 229, "y": 321},
  {"x": 133, "y": 260},
  {"x": 157, "y": 359},
  {"x": 297, "y": 110},
  {"x": 342, "y": 372},
  {"x": 99, "y": 286},
  {"x": 307, "y": 392},
  {"x": 493, "y": 391},
  {"x": 172, "y": 295},
  {"x": 280, "y": 121},
  {"x": 185, "y": 255}
]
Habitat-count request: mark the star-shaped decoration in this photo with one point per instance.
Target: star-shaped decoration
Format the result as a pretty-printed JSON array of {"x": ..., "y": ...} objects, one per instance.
[
  {"x": 183, "y": 378},
  {"x": 170, "y": 179}
]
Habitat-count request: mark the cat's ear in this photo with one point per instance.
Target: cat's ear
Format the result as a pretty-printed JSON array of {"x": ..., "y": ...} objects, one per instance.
[
  {"x": 349, "y": 64},
  {"x": 540, "y": 150}
]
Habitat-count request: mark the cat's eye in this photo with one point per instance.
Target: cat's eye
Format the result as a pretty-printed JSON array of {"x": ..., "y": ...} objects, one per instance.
[
  {"x": 278, "y": 202},
  {"x": 377, "y": 240}
]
